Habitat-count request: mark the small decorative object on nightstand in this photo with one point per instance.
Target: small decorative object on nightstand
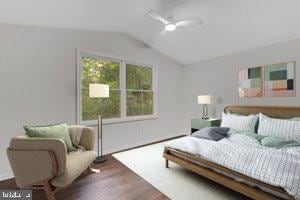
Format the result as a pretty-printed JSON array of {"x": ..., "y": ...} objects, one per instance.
[
  {"x": 204, "y": 100},
  {"x": 198, "y": 123}
]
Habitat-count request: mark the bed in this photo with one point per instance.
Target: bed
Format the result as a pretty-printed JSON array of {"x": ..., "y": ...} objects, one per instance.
[{"x": 246, "y": 185}]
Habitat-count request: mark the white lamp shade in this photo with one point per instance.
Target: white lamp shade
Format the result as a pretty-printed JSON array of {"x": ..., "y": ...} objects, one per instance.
[
  {"x": 98, "y": 90},
  {"x": 204, "y": 99}
]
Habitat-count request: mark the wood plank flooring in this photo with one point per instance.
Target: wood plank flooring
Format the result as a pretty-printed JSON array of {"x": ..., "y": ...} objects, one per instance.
[{"x": 114, "y": 182}]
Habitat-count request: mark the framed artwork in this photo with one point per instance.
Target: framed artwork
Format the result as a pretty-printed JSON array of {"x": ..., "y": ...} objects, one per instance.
[
  {"x": 279, "y": 80},
  {"x": 250, "y": 82}
]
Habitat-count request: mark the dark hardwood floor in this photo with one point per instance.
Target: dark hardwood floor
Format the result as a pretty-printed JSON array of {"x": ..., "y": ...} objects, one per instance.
[{"x": 114, "y": 182}]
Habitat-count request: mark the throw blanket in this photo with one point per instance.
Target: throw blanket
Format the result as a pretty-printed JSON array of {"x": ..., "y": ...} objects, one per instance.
[
  {"x": 244, "y": 154},
  {"x": 75, "y": 134}
]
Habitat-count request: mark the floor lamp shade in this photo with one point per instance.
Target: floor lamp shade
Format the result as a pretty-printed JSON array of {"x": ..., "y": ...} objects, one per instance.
[{"x": 99, "y": 91}]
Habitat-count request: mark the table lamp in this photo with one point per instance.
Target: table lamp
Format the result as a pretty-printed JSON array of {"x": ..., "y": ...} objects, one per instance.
[
  {"x": 99, "y": 91},
  {"x": 204, "y": 100}
]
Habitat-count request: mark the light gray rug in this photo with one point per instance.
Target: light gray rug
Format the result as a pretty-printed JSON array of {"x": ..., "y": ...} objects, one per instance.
[{"x": 176, "y": 182}]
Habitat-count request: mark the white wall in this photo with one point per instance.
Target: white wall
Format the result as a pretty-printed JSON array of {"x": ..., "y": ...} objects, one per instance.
[
  {"x": 38, "y": 84},
  {"x": 218, "y": 77}
]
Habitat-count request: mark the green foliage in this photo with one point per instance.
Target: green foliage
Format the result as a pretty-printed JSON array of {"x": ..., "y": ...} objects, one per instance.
[
  {"x": 138, "y": 77},
  {"x": 139, "y": 93},
  {"x": 100, "y": 71},
  {"x": 139, "y": 90},
  {"x": 107, "y": 107},
  {"x": 105, "y": 72},
  {"x": 139, "y": 103}
]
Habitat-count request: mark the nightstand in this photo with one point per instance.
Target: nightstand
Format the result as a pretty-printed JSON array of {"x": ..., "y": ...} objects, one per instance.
[{"x": 198, "y": 123}]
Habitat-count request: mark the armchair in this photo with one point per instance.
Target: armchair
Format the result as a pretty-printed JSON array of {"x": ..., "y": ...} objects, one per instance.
[{"x": 45, "y": 162}]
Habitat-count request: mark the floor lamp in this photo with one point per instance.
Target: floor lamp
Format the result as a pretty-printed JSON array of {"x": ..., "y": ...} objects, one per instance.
[{"x": 99, "y": 91}]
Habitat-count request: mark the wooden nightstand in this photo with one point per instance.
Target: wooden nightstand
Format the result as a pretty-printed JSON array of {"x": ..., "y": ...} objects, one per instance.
[{"x": 198, "y": 123}]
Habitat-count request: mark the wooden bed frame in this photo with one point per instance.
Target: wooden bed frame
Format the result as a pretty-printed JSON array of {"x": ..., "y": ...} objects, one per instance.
[{"x": 208, "y": 169}]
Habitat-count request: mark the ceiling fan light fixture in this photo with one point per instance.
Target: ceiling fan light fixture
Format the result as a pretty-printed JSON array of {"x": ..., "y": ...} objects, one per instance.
[{"x": 170, "y": 27}]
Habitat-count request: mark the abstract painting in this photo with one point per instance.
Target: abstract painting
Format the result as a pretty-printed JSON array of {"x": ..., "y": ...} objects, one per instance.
[
  {"x": 250, "y": 82},
  {"x": 279, "y": 80}
]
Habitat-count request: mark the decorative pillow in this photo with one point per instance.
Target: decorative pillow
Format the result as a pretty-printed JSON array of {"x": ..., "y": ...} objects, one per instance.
[
  {"x": 59, "y": 131},
  {"x": 278, "y": 142},
  {"x": 239, "y": 123},
  {"x": 211, "y": 133},
  {"x": 296, "y": 119},
  {"x": 256, "y": 136},
  {"x": 288, "y": 129}
]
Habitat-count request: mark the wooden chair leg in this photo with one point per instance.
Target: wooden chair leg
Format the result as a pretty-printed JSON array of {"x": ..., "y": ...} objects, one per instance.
[
  {"x": 92, "y": 170},
  {"x": 48, "y": 190},
  {"x": 167, "y": 163}
]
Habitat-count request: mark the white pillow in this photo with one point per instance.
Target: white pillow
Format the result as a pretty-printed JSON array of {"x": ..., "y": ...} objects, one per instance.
[
  {"x": 239, "y": 123},
  {"x": 288, "y": 129}
]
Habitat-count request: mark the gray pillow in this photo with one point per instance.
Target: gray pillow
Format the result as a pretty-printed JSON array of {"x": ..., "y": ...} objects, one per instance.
[{"x": 212, "y": 133}]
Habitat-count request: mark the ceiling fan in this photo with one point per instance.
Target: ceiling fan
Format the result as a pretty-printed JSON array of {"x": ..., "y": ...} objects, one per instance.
[{"x": 171, "y": 24}]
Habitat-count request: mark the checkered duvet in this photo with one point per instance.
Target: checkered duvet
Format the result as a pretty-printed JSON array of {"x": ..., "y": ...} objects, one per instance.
[{"x": 278, "y": 167}]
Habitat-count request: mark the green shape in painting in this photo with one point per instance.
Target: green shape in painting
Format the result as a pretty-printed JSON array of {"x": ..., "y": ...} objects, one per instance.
[
  {"x": 256, "y": 82},
  {"x": 274, "y": 68},
  {"x": 254, "y": 72},
  {"x": 278, "y": 75}
]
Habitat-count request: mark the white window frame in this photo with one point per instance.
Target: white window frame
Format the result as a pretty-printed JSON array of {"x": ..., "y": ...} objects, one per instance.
[{"x": 123, "y": 103}]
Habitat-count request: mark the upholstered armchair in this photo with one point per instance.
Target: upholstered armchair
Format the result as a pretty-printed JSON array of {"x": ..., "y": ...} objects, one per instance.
[{"x": 45, "y": 162}]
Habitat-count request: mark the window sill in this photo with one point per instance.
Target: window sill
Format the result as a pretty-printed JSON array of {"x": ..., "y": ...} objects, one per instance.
[{"x": 119, "y": 120}]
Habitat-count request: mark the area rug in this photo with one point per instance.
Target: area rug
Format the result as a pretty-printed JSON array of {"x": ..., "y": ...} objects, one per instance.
[{"x": 175, "y": 182}]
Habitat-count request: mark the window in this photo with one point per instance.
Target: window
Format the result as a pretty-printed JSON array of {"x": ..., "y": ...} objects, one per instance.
[
  {"x": 131, "y": 88},
  {"x": 139, "y": 93},
  {"x": 95, "y": 70}
]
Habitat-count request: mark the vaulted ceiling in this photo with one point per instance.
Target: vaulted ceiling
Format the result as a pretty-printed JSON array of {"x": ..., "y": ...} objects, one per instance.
[{"x": 230, "y": 26}]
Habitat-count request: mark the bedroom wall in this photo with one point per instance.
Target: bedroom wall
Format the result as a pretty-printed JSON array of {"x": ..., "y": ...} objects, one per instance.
[
  {"x": 218, "y": 77},
  {"x": 38, "y": 84}
]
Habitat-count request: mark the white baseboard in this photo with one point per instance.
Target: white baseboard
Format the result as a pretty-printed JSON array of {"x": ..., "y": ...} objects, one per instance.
[
  {"x": 6, "y": 176},
  {"x": 109, "y": 151}
]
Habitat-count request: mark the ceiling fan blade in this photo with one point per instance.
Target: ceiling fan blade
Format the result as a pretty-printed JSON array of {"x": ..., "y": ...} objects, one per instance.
[
  {"x": 162, "y": 33},
  {"x": 190, "y": 22},
  {"x": 156, "y": 16}
]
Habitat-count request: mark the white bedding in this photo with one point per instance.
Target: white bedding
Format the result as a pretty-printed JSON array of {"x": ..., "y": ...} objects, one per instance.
[{"x": 278, "y": 167}]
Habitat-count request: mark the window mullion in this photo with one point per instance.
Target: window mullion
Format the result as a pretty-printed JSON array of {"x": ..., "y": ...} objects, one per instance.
[
  {"x": 123, "y": 89},
  {"x": 139, "y": 90}
]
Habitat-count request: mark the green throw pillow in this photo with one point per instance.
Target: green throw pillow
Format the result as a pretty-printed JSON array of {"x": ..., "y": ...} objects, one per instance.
[
  {"x": 59, "y": 131},
  {"x": 256, "y": 136},
  {"x": 278, "y": 142},
  {"x": 296, "y": 118}
]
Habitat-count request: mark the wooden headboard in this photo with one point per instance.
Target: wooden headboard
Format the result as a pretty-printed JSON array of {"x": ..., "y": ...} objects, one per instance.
[{"x": 283, "y": 112}]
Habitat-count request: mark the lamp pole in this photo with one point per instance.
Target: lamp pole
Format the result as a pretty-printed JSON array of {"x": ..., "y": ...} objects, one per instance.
[
  {"x": 100, "y": 158},
  {"x": 99, "y": 91}
]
